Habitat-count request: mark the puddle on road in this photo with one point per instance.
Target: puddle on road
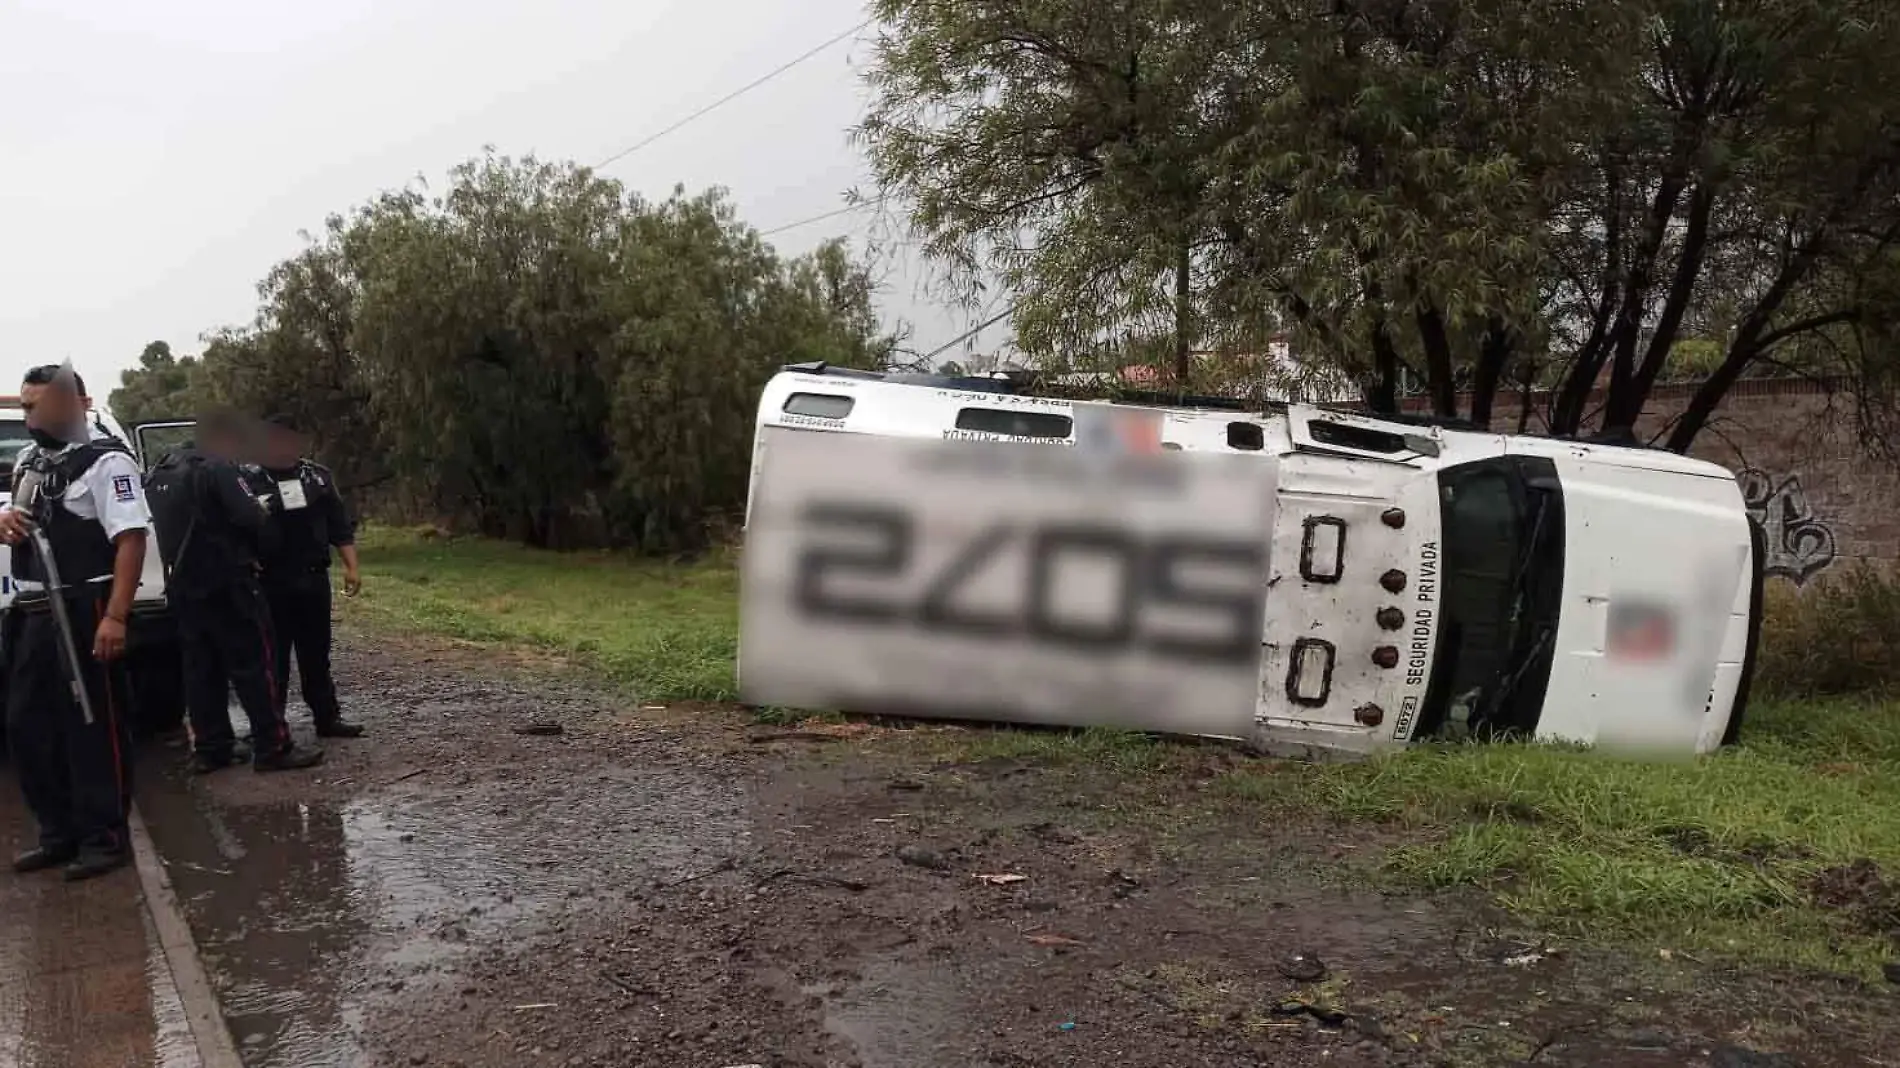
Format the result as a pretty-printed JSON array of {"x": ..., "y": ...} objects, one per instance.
[
  {"x": 311, "y": 915},
  {"x": 899, "y": 1015}
]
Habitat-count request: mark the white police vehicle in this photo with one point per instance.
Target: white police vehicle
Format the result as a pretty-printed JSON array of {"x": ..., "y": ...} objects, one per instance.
[
  {"x": 152, "y": 652},
  {"x": 1417, "y": 580}
]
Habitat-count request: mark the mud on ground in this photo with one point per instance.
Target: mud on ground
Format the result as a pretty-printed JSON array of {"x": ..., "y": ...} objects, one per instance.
[{"x": 676, "y": 887}]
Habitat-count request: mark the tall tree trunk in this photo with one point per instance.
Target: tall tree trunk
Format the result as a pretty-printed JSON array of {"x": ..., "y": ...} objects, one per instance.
[
  {"x": 1625, "y": 406},
  {"x": 1183, "y": 316},
  {"x": 1438, "y": 361},
  {"x": 1382, "y": 396},
  {"x": 1494, "y": 353},
  {"x": 1752, "y": 340}
]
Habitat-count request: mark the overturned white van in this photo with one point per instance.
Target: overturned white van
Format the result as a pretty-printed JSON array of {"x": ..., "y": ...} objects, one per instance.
[{"x": 1412, "y": 581}]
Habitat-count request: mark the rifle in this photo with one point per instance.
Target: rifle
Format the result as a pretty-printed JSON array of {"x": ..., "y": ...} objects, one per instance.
[{"x": 63, "y": 622}]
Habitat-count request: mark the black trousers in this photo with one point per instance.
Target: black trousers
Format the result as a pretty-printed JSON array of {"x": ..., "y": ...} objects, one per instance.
[
  {"x": 76, "y": 777},
  {"x": 225, "y": 636},
  {"x": 300, "y": 618}
]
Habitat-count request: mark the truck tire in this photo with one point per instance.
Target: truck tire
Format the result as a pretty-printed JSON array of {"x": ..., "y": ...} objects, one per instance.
[
  {"x": 157, "y": 676},
  {"x": 1758, "y": 575}
]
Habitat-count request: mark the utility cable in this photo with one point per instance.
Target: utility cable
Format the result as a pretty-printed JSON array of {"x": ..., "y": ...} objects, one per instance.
[
  {"x": 834, "y": 213},
  {"x": 970, "y": 333},
  {"x": 729, "y": 97}
]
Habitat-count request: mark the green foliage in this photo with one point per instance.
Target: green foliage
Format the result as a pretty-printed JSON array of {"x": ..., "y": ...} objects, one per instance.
[
  {"x": 1469, "y": 193},
  {"x": 1834, "y": 636},
  {"x": 161, "y": 387},
  {"x": 536, "y": 355}
]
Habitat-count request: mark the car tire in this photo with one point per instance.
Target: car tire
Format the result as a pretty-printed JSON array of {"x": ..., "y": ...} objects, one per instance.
[{"x": 1758, "y": 576}]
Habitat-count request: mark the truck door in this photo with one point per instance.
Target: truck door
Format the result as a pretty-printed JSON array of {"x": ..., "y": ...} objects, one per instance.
[
  {"x": 1352, "y": 608},
  {"x": 151, "y": 441}
]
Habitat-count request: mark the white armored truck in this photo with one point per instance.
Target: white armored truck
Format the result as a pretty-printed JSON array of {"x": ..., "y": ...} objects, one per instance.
[{"x": 1416, "y": 581}]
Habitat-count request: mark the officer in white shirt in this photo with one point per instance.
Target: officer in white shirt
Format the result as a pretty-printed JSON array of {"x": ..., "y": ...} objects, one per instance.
[{"x": 83, "y": 493}]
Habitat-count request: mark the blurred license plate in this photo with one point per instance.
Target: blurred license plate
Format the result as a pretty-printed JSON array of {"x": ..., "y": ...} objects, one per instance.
[
  {"x": 1641, "y": 630},
  {"x": 997, "y": 581}
]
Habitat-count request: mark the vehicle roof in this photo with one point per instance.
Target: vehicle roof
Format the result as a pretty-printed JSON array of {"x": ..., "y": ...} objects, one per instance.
[{"x": 1200, "y": 407}]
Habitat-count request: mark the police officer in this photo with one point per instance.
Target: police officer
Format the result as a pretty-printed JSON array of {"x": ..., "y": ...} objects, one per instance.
[
  {"x": 80, "y": 498},
  {"x": 209, "y": 529},
  {"x": 308, "y": 519}
]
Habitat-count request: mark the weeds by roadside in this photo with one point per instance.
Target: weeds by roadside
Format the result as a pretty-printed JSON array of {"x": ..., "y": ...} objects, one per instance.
[
  {"x": 669, "y": 632},
  {"x": 1733, "y": 853},
  {"x": 1837, "y": 636},
  {"x": 1778, "y": 850}
]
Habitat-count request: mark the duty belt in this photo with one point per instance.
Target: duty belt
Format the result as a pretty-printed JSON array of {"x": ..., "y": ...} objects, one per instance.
[{"x": 33, "y": 602}]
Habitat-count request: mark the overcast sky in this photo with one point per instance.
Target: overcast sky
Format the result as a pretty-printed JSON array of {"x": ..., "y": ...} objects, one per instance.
[{"x": 156, "y": 158}]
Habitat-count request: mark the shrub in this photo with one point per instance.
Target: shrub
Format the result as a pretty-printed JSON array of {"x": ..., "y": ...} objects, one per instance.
[{"x": 1836, "y": 636}]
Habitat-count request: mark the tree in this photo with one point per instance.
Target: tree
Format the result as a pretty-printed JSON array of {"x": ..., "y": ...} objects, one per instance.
[
  {"x": 161, "y": 387},
  {"x": 1472, "y": 193},
  {"x": 535, "y": 355}
]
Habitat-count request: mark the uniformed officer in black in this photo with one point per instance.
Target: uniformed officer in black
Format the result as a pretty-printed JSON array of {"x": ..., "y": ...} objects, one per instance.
[
  {"x": 209, "y": 532},
  {"x": 308, "y": 519},
  {"x": 82, "y": 492}
]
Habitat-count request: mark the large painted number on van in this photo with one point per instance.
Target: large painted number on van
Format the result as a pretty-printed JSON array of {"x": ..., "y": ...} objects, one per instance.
[{"x": 1218, "y": 621}]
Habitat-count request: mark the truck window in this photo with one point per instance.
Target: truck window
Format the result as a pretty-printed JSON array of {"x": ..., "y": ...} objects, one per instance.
[
  {"x": 13, "y": 438},
  {"x": 1014, "y": 424},
  {"x": 1500, "y": 591},
  {"x": 819, "y": 405}
]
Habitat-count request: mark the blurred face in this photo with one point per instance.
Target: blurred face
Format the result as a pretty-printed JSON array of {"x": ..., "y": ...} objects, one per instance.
[
  {"x": 283, "y": 447},
  {"x": 52, "y": 409},
  {"x": 223, "y": 446}
]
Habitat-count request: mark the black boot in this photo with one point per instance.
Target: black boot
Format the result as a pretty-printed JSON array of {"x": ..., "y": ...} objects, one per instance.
[
  {"x": 92, "y": 863},
  {"x": 339, "y": 728},
  {"x": 45, "y": 858},
  {"x": 289, "y": 758},
  {"x": 206, "y": 763}
]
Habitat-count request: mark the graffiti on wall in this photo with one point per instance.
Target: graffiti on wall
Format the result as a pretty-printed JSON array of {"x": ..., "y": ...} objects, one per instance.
[{"x": 1800, "y": 544}]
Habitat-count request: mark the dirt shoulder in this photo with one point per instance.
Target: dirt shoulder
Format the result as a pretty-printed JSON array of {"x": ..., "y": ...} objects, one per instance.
[{"x": 681, "y": 887}]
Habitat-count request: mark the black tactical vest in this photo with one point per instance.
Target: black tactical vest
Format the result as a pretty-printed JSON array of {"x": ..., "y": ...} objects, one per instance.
[
  {"x": 171, "y": 489},
  {"x": 80, "y": 546},
  {"x": 201, "y": 548}
]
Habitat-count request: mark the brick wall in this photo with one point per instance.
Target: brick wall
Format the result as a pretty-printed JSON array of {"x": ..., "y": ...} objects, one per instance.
[{"x": 1823, "y": 500}]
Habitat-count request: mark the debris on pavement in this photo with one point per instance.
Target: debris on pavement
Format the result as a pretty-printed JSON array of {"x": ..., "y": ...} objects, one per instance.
[
  {"x": 1053, "y": 940},
  {"x": 540, "y": 730},
  {"x": 918, "y": 857},
  {"x": 856, "y": 886},
  {"x": 1327, "y": 1017},
  {"x": 1001, "y": 879},
  {"x": 1303, "y": 967},
  {"x": 1742, "y": 1057}
]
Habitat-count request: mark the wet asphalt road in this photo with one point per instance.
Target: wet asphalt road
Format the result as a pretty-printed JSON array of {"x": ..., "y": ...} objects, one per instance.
[{"x": 83, "y": 983}]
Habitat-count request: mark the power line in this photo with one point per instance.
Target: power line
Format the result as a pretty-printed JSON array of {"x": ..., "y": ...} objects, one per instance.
[
  {"x": 846, "y": 210},
  {"x": 970, "y": 333},
  {"x": 729, "y": 97}
]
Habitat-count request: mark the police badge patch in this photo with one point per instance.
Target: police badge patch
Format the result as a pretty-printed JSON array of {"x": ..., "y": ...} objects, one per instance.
[{"x": 122, "y": 488}]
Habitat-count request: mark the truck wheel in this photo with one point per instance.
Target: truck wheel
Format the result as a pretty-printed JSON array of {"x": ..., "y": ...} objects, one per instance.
[
  {"x": 1758, "y": 544},
  {"x": 158, "y": 690}
]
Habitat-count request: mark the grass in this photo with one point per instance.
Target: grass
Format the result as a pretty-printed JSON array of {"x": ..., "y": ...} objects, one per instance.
[
  {"x": 668, "y": 632},
  {"x": 1722, "y": 855}
]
